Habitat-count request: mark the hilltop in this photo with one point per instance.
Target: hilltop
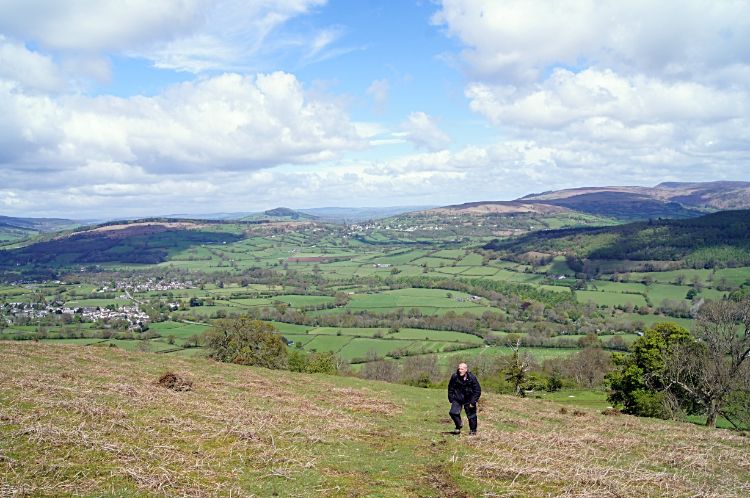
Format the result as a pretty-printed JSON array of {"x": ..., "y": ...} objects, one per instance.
[
  {"x": 611, "y": 202},
  {"x": 350, "y": 214},
  {"x": 669, "y": 199},
  {"x": 666, "y": 200},
  {"x": 280, "y": 214},
  {"x": 17, "y": 228},
  {"x": 104, "y": 426},
  {"x": 495, "y": 207},
  {"x": 714, "y": 195}
]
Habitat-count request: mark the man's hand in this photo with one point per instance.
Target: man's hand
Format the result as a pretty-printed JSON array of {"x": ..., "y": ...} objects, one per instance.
[{"x": 471, "y": 406}]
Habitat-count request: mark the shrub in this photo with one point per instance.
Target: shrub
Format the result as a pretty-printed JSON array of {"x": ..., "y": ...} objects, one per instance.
[{"x": 246, "y": 342}]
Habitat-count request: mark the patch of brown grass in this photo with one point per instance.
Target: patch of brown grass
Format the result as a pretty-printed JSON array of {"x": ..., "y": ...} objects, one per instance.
[
  {"x": 593, "y": 455},
  {"x": 108, "y": 421}
]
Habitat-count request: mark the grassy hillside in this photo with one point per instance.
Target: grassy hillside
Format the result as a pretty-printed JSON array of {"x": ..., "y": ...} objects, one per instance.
[
  {"x": 18, "y": 228},
  {"x": 685, "y": 196},
  {"x": 722, "y": 236},
  {"x": 624, "y": 206},
  {"x": 86, "y": 421}
]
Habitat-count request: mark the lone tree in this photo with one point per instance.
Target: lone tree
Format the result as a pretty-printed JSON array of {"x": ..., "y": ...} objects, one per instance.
[
  {"x": 704, "y": 374},
  {"x": 635, "y": 380},
  {"x": 516, "y": 368},
  {"x": 245, "y": 341}
]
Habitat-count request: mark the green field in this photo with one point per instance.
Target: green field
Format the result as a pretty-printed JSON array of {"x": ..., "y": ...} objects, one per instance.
[
  {"x": 358, "y": 346},
  {"x": 435, "y": 335},
  {"x": 296, "y": 301},
  {"x": 610, "y": 298},
  {"x": 352, "y": 331},
  {"x": 327, "y": 343}
]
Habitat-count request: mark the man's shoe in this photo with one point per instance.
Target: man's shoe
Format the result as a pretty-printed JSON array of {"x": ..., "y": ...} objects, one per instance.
[
  {"x": 457, "y": 431},
  {"x": 473, "y": 433}
]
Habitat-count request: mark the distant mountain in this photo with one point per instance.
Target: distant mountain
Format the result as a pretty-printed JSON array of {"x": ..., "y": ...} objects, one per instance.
[
  {"x": 211, "y": 216},
  {"x": 279, "y": 214},
  {"x": 484, "y": 208},
  {"x": 671, "y": 200},
  {"x": 17, "y": 228},
  {"x": 695, "y": 198},
  {"x": 361, "y": 214},
  {"x": 622, "y": 205}
]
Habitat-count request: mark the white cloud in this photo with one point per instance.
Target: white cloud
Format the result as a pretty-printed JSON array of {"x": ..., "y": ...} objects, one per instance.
[
  {"x": 644, "y": 91},
  {"x": 516, "y": 40},
  {"x": 235, "y": 34},
  {"x": 30, "y": 70},
  {"x": 566, "y": 97},
  {"x": 190, "y": 35},
  {"x": 379, "y": 91},
  {"x": 324, "y": 38},
  {"x": 228, "y": 122},
  {"x": 100, "y": 25},
  {"x": 422, "y": 130}
]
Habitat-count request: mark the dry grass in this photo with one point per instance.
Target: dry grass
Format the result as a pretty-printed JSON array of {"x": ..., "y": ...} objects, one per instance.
[
  {"x": 590, "y": 455},
  {"x": 84, "y": 421},
  {"x": 103, "y": 409}
]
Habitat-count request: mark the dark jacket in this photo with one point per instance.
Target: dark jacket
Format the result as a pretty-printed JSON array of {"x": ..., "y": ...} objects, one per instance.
[{"x": 466, "y": 392}]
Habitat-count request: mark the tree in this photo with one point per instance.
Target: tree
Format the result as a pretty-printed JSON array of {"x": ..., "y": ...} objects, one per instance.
[
  {"x": 701, "y": 375},
  {"x": 341, "y": 299},
  {"x": 144, "y": 346},
  {"x": 695, "y": 281},
  {"x": 387, "y": 371},
  {"x": 246, "y": 342},
  {"x": 371, "y": 355},
  {"x": 590, "y": 339},
  {"x": 635, "y": 378},
  {"x": 589, "y": 367},
  {"x": 321, "y": 363},
  {"x": 421, "y": 370},
  {"x": 516, "y": 368}
]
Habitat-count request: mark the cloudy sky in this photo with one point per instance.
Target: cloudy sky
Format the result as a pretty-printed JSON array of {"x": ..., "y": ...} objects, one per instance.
[{"x": 115, "y": 108}]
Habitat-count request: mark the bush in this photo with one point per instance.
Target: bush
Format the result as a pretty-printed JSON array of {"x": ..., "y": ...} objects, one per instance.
[
  {"x": 314, "y": 363},
  {"x": 246, "y": 342}
]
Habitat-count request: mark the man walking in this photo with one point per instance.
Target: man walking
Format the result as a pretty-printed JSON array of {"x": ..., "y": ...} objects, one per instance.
[{"x": 464, "y": 391}]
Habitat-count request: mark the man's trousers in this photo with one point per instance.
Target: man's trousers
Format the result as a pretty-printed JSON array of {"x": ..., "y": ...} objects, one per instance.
[{"x": 471, "y": 414}]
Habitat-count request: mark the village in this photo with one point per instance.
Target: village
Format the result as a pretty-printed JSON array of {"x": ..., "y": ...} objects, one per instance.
[
  {"x": 132, "y": 314},
  {"x": 150, "y": 285}
]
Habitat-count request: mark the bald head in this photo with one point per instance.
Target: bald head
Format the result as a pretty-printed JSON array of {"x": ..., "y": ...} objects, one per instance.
[{"x": 462, "y": 369}]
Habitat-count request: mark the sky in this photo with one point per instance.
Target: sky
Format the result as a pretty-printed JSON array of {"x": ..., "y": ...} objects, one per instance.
[{"x": 128, "y": 108}]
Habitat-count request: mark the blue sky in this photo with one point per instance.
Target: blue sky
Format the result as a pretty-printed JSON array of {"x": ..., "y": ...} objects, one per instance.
[{"x": 114, "y": 108}]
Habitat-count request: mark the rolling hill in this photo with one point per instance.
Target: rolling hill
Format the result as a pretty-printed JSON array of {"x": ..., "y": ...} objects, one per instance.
[
  {"x": 693, "y": 197},
  {"x": 280, "y": 214},
  {"x": 361, "y": 214},
  {"x": 18, "y": 228},
  {"x": 723, "y": 236},
  {"x": 666, "y": 200}
]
